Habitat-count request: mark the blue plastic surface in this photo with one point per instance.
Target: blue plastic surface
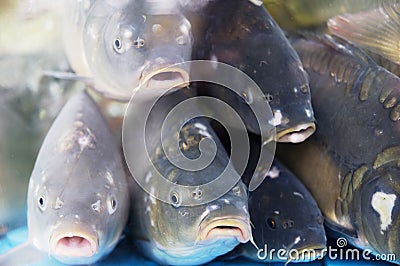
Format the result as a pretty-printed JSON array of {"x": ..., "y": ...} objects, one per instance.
[{"x": 125, "y": 255}]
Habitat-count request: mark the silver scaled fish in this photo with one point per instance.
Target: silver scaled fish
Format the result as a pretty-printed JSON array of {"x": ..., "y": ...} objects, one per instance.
[
  {"x": 124, "y": 46},
  {"x": 78, "y": 201},
  {"x": 173, "y": 232}
]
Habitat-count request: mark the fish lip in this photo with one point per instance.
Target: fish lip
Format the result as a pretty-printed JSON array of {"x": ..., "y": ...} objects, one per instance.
[
  {"x": 296, "y": 134},
  {"x": 240, "y": 227},
  {"x": 165, "y": 78},
  {"x": 90, "y": 237}
]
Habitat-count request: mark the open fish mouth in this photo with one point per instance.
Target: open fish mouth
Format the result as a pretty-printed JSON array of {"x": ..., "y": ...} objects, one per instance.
[
  {"x": 74, "y": 245},
  {"x": 296, "y": 134},
  {"x": 225, "y": 228},
  {"x": 166, "y": 78}
]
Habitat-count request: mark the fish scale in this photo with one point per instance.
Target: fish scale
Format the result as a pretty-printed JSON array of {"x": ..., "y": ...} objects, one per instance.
[{"x": 356, "y": 160}]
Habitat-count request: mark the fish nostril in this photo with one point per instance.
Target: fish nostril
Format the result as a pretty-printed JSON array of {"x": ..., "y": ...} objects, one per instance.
[{"x": 288, "y": 224}]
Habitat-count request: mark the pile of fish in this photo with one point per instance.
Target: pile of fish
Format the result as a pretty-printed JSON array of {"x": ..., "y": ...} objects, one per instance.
[{"x": 328, "y": 72}]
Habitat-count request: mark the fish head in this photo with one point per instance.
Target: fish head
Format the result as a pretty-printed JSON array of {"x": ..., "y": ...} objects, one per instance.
[
  {"x": 197, "y": 234},
  {"x": 78, "y": 216},
  {"x": 128, "y": 48},
  {"x": 286, "y": 218},
  {"x": 380, "y": 212},
  {"x": 290, "y": 102}
]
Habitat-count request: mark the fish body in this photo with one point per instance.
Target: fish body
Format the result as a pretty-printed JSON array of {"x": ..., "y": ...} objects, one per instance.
[
  {"x": 287, "y": 223},
  {"x": 78, "y": 197},
  {"x": 384, "y": 62},
  {"x": 123, "y": 46},
  {"x": 245, "y": 36},
  {"x": 350, "y": 165},
  {"x": 178, "y": 232}
]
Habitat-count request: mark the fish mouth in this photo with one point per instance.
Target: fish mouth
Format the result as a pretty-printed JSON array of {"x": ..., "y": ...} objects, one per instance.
[
  {"x": 296, "y": 134},
  {"x": 74, "y": 245},
  {"x": 306, "y": 254},
  {"x": 164, "y": 78},
  {"x": 225, "y": 228}
]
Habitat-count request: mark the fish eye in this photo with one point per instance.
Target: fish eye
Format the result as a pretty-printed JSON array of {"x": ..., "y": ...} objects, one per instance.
[
  {"x": 271, "y": 223},
  {"x": 117, "y": 45},
  {"x": 175, "y": 199},
  {"x": 42, "y": 203},
  {"x": 112, "y": 205}
]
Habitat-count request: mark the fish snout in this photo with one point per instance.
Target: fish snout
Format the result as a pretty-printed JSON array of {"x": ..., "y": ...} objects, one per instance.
[
  {"x": 73, "y": 244},
  {"x": 296, "y": 134},
  {"x": 225, "y": 228}
]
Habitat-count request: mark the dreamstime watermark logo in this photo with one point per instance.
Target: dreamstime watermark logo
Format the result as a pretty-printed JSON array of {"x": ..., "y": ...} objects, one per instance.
[
  {"x": 153, "y": 120},
  {"x": 340, "y": 252}
]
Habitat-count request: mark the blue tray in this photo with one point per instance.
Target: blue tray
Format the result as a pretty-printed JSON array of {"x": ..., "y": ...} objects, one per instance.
[{"x": 124, "y": 255}]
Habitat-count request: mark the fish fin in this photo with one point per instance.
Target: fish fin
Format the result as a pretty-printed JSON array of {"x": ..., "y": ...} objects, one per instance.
[
  {"x": 66, "y": 75},
  {"x": 341, "y": 230},
  {"x": 23, "y": 254},
  {"x": 377, "y": 30}
]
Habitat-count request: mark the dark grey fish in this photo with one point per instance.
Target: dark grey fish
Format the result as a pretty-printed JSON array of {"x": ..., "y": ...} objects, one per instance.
[
  {"x": 351, "y": 164},
  {"x": 245, "y": 36},
  {"x": 174, "y": 231},
  {"x": 78, "y": 197},
  {"x": 287, "y": 223}
]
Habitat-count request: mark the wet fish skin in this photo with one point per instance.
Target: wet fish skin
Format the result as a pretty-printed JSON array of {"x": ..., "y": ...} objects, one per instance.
[
  {"x": 354, "y": 153},
  {"x": 284, "y": 216},
  {"x": 385, "y": 63},
  {"x": 77, "y": 208},
  {"x": 127, "y": 44},
  {"x": 186, "y": 235},
  {"x": 254, "y": 43}
]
